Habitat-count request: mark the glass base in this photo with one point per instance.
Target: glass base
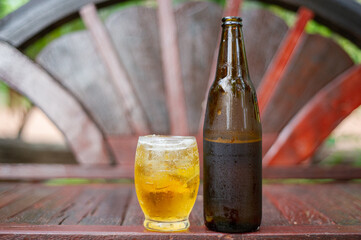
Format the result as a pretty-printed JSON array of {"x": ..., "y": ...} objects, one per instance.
[{"x": 159, "y": 226}]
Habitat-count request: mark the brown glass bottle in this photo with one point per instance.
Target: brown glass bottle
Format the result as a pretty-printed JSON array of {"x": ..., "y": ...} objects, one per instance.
[{"x": 232, "y": 141}]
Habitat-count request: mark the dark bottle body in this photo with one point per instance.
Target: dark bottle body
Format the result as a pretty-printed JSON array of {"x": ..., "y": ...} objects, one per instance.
[{"x": 232, "y": 141}]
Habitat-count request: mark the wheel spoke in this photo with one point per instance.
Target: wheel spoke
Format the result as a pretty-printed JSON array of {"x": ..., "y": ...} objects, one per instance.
[{"x": 282, "y": 59}]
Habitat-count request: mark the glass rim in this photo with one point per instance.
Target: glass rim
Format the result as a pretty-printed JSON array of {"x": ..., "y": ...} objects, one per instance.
[{"x": 167, "y": 141}]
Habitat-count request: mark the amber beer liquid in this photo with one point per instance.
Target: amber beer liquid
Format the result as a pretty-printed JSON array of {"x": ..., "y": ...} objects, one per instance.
[
  {"x": 166, "y": 180},
  {"x": 232, "y": 141}
]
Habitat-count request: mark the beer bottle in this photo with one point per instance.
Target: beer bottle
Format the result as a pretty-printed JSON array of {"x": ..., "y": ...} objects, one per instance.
[{"x": 232, "y": 141}]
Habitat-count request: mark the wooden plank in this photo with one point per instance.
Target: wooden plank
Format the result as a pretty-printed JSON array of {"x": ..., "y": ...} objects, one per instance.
[
  {"x": 281, "y": 59},
  {"x": 82, "y": 207},
  {"x": 45, "y": 209},
  {"x": 126, "y": 170},
  {"x": 134, "y": 215},
  {"x": 271, "y": 216},
  {"x": 5, "y": 188},
  {"x": 196, "y": 216},
  {"x": 21, "y": 204},
  {"x": 196, "y": 33},
  {"x": 17, "y": 151},
  {"x": 112, "y": 210},
  {"x": 120, "y": 79},
  {"x": 353, "y": 190},
  {"x": 232, "y": 7},
  {"x": 38, "y": 17},
  {"x": 261, "y": 28},
  {"x": 51, "y": 171},
  {"x": 312, "y": 172},
  {"x": 124, "y": 148},
  {"x": 316, "y": 120},
  {"x": 171, "y": 69},
  {"x": 64, "y": 58},
  {"x": 340, "y": 16},
  {"x": 135, "y": 35},
  {"x": 296, "y": 211},
  {"x": 329, "y": 199},
  {"x": 196, "y": 232},
  {"x": 317, "y": 62},
  {"x": 13, "y": 194},
  {"x": 31, "y": 80}
]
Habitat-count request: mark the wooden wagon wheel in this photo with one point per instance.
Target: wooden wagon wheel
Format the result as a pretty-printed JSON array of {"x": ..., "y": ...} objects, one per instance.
[{"x": 112, "y": 58}]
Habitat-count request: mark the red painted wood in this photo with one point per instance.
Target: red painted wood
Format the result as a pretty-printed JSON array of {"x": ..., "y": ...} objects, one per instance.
[
  {"x": 233, "y": 7},
  {"x": 45, "y": 209},
  {"x": 307, "y": 130},
  {"x": 83, "y": 136},
  {"x": 312, "y": 172},
  {"x": 172, "y": 69},
  {"x": 95, "y": 202},
  {"x": 51, "y": 171},
  {"x": 197, "y": 232},
  {"x": 13, "y": 194},
  {"x": 124, "y": 148},
  {"x": 126, "y": 170},
  {"x": 133, "y": 215},
  {"x": 25, "y": 201},
  {"x": 296, "y": 211},
  {"x": 282, "y": 58},
  {"x": 134, "y": 114},
  {"x": 316, "y": 62},
  {"x": 271, "y": 216},
  {"x": 331, "y": 200}
]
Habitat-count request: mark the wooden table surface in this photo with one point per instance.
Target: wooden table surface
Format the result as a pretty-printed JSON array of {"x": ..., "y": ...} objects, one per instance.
[{"x": 111, "y": 211}]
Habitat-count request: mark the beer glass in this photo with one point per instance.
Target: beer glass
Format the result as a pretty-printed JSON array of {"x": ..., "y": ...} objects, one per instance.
[{"x": 166, "y": 180}]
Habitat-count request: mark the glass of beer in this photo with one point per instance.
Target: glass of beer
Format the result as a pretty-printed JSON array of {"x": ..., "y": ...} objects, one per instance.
[{"x": 166, "y": 180}]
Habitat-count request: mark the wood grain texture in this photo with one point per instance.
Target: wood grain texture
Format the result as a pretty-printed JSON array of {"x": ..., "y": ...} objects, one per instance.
[
  {"x": 38, "y": 17},
  {"x": 312, "y": 172},
  {"x": 135, "y": 35},
  {"x": 83, "y": 136},
  {"x": 25, "y": 201},
  {"x": 233, "y": 7},
  {"x": 119, "y": 77},
  {"x": 52, "y": 171},
  {"x": 296, "y": 211},
  {"x": 331, "y": 201},
  {"x": 341, "y": 16},
  {"x": 261, "y": 28},
  {"x": 171, "y": 69},
  {"x": 106, "y": 206},
  {"x": 47, "y": 208},
  {"x": 197, "y": 39},
  {"x": 126, "y": 170},
  {"x": 271, "y": 216},
  {"x": 75, "y": 63},
  {"x": 307, "y": 130},
  {"x": 197, "y": 233},
  {"x": 281, "y": 60},
  {"x": 133, "y": 215},
  {"x": 14, "y": 193},
  {"x": 124, "y": 148},
  {"x": 17, "y": 151},
  {"x": 317, "y": 62}
]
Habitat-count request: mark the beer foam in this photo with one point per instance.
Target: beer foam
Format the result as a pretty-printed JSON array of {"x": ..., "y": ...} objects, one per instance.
[{"x": 169, "y": 143}]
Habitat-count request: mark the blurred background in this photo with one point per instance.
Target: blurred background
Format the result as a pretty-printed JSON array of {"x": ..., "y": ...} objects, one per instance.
[{"x": 20, "y": 121}]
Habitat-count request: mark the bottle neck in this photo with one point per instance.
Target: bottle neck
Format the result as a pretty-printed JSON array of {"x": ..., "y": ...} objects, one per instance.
[{"x": 232, "y": 61}]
